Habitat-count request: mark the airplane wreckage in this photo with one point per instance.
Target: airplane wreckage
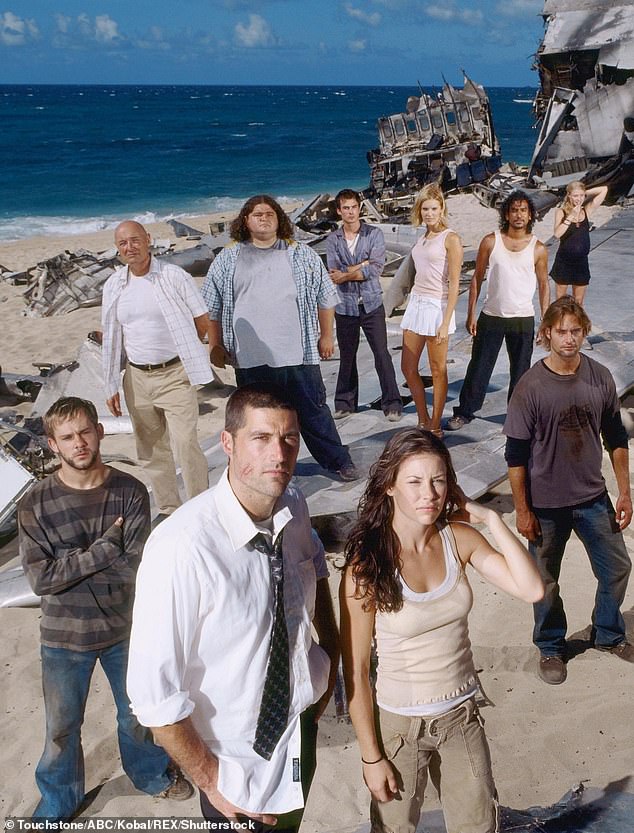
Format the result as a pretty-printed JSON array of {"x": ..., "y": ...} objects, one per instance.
[
  {"x": 584, "y": 108},
  {"x": 448, "y": 138}
]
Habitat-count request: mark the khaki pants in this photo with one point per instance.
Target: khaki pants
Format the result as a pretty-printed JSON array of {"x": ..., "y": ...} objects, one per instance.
[
  {"x": 453, "y": 749},
  {"x": 163, "y": 407}
]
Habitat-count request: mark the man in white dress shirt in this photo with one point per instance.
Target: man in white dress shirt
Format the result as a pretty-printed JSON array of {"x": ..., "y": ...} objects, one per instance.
[
  {"x": 154, "y": 319},
  {"x": 205, "y": 617}
]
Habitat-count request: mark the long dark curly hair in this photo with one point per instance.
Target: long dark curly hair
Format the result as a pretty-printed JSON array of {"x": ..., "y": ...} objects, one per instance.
[
  {"x": 517, "y": 196},
  {"x": 241, "y": 233},
  {"x": 373, "y": 549}
]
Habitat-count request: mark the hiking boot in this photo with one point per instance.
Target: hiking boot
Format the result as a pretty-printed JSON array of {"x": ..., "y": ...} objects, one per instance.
[
  {"x": 456, "y": 422},
  {"x": 348, "y": 473},
  {"x": 179, "y": 788},
  {"x": 552, "y": 670},
  {"x": 624, "y": 650}
]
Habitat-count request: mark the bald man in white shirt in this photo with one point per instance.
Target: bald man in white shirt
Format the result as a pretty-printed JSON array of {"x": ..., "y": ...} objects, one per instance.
[{"x": 154, "y": 320}]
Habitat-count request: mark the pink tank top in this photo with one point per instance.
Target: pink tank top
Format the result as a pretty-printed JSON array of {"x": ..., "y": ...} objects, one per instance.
[{"x": 432, "y": 266}]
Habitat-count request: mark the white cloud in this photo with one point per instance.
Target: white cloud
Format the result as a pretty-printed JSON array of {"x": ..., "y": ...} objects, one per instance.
[
  {"x": 519, "y": 8},
  {"x": 106, "y": 29},
  {"x": 358, "y": 45},
  {"x": 449, "y": 12},
  {"x": 63, "y": 23},
  {"x": 256, "y": 33},
  {"x": 15, "y": 31},
  {"x": 371, "y": 18}
]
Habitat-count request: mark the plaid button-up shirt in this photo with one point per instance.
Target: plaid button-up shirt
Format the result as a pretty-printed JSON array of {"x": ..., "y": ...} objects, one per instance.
[
  {"x": 180, "y": 302},
  {"x": 314, "y": 290},
  {"x": 371, "y": 247}
]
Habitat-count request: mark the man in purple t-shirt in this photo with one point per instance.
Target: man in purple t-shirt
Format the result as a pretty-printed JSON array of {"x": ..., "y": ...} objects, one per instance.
[{"x": 559, "y": 412}]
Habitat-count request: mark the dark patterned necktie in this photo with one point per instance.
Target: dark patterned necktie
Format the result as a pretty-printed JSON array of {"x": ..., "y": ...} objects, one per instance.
[{"x": 273, "y": 716}]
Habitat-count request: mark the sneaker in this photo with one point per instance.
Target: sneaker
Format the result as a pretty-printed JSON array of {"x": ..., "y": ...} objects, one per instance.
[
  {"x": 394, "y": 416},
  {"x": 341, "y": 414},
  {"x": 624, "y": 650},
  {"x": 456, "y": 422},
  {"x": 552, "y": 670},
  {"x": 348, "y": 473},
  {"x": 179, "y": 789}
]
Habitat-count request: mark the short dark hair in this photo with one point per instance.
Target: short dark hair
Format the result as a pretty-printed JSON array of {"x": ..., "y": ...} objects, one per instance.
[
  {"x": 566, "y": 305},
  {"x": 255, "y": 395},
  {"x": 347, "y": 194},
  {"x": 238, "y": 229},
  {"x": 67, "y": 407},
  {"x": 373, "y": 549},
  {"x": 517, "y": 196}
]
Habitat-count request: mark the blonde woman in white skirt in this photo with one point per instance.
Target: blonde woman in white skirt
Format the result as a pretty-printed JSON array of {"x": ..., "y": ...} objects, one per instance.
[{"x": 429, "y": 318}]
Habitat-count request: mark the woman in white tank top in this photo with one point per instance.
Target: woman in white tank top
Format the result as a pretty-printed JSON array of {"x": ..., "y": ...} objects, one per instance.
[
  {"x": 429, "y": 318},
  {"x": 404, "y": 580}
]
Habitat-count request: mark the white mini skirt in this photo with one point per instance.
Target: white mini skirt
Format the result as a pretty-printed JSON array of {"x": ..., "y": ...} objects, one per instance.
[{"x": 423, "y": 315}]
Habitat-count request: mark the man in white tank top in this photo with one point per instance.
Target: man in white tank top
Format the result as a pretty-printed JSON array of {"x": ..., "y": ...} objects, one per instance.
[{"x": 517, "y": 264}]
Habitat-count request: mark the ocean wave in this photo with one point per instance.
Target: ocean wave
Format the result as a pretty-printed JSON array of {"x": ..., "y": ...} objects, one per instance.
[{"x": 21, "y": 228}]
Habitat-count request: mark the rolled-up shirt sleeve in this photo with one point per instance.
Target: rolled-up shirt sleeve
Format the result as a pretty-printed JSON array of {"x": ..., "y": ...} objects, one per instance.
[{"x": 164, "y": 625}]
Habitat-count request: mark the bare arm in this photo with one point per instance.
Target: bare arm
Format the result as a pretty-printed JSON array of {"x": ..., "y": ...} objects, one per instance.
[
  {"x": 455, "y": 256},
  {"x": 525, "y": 519},
  {"x": 541, "y": 271},
  {"x": 326, "y": 627},
  {"x": 326, "y": 343},
  {"x": 619, "y": 458},
  {"x": 184, "y": 745},
  {"x": 482, "y": 264},
  {"x": 508, "y": 565},
  {"x": 598, "y": 195},
  {"x": 561, "y": 223},
  {"x": 218, "y": 354},
  {"x": 201, "y": 322},
  {"x": 357, "y": 627}
]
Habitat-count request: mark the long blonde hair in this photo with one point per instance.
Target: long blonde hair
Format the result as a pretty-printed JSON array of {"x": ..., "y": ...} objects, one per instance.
[
  {"x": 429, "y": 192},
  {"x": 566, "y": 205}
]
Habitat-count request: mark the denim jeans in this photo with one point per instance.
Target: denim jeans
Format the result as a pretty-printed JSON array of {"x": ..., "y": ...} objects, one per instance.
[
  {"x": 451, "y": 748},
  {"x": 59, "y": 775},
  {"x": 490, "y": 333},
  {"x": 595, "y": 525},
  {"x": 304, "y": 387},
  {"x": 348, "y": 331}
]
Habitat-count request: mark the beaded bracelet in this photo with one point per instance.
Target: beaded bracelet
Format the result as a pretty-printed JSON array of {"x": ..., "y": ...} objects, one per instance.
[{"x": 369, "y": 763}]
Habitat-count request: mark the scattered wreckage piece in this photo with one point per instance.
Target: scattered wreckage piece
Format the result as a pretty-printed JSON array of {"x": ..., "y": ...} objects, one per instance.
[
  {"x": 70, "y": 280},
  {"x": 448, "y": 138},
  {"x": 493, "y": 193}
]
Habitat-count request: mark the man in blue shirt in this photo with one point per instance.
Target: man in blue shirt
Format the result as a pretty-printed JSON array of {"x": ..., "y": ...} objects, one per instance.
[{"x": 356, "y": 257}]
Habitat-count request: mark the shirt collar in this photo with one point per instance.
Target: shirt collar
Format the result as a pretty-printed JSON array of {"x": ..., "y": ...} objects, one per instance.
[
  {"x": 235, "y": 519},
  {"x": 154, "y": 270}
]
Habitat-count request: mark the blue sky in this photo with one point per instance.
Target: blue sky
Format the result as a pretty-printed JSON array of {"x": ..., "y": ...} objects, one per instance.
[{"x": 268, "y": 41}]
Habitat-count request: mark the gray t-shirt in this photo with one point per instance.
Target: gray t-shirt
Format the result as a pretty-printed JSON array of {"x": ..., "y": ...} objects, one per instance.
[
  {"x": 563, "y": 417},
  {"x": 266, "y": 316}
]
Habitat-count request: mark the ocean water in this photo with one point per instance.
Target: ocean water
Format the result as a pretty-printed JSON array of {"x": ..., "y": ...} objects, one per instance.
[{"x": 79, "y": 158}]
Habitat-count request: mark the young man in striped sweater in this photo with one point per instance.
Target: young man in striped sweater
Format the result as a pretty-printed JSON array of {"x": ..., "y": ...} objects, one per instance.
[{"x": 82, "y": 532}]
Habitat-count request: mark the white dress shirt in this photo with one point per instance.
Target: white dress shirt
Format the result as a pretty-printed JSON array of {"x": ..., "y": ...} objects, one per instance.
[{"x": 201, "y": 632}]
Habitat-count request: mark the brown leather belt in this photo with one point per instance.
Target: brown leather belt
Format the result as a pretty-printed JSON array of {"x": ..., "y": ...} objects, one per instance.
[{"x": 148, "y": 367}]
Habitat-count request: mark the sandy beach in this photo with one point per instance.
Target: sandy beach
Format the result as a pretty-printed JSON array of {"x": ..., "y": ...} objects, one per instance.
[{"x": 543, "y": 739}]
